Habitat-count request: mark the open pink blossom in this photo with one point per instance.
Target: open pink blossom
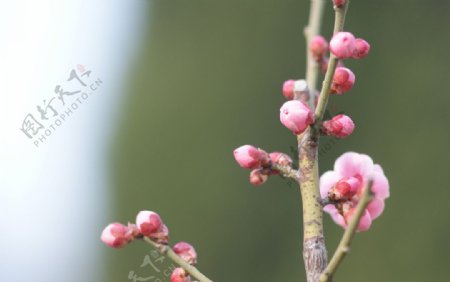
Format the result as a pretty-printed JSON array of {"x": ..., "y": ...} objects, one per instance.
[{"x": 345, "y": 184}]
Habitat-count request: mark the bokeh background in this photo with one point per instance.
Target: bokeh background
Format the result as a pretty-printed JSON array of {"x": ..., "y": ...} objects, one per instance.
[{"x": 205, "y": 77}]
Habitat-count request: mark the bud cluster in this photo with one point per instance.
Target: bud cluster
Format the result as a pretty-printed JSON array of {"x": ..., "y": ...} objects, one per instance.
[
  {"x": 149, "y": 224},
  {"x": 260, "y": 162}
]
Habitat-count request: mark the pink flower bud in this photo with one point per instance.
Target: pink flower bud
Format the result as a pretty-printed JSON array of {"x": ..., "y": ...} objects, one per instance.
[
  {"x": 151, "y": 225},
  {"x": 115, "y": 235},
  {"x": 343, "y": 81},
  {"x": 339, "y": 126},
  {"x": 180, "y": 275},
  {"x": 186, "y": 252},
  {"x": 288, "y": 89},
  {"x": 133, "y": 232},
  {"x": 280, "y": 158},
  {"x": 344, "y": 189},
  {"x": 258, "y": 177},
  {"x": 342, "y": 45},
  {"x": 318, "y": 47},
  {"x": 296, "y": 116},
  {"x": 362, "y": 49},
  {"x": 250, "y": 157},
  {"x": 339, "y": 3}
]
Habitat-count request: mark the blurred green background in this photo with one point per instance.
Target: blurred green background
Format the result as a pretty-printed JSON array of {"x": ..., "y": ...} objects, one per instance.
[{"x": 208, "y": 79}]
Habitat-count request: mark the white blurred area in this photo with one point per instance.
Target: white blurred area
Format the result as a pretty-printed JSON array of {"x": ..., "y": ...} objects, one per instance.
[{"x": 55, "y": 199}]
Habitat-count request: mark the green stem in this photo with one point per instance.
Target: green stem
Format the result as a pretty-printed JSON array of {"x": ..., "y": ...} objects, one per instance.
[
  {"x": 314, "y": 250},
  {"x": 168, "y": 252},
  {"x": 339, "y": 21},
  {"x": 344, "y": 246}
]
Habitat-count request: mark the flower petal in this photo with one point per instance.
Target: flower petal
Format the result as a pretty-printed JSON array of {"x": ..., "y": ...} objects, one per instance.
[
  {"x": 352, "y": 164},
  {"x": 365, "y": 222},
  {"x": 335, "y": 215},
  {"x": 327, "y": 180},
  {"x": 380, "y": 185},
  {"x": 375, "y": 207}
]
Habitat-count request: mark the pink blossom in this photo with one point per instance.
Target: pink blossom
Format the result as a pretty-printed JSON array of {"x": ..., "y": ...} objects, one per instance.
[
  {"x": 186, "y": 251},
  {"x": 343, "y": 81},
  {"x": 318, "y": 47},
  {"x": 362, "y": 49},
  {"x": 354, "y": 169},
  {"x": 180, "y": 275},
  {"x": 116, "y": 235},
  {"x": 296, "y": 116},
  {"x": 288, "y": 89},
  {"x": 342, "y": 45},
  {"x": 250, "y": 157},
  {"x": 151, "y": 225},
  {"x": 339, "y": 126}
]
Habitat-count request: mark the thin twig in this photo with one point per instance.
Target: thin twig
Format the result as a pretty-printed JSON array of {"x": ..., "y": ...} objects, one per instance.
[
  {"x": 311, "y": 30},
  {"x": 287, "y": 171},
  {"x": 326, "y": 86},
  {"x": 168, "y": 252},
  {"x": 344, "y": 245}
]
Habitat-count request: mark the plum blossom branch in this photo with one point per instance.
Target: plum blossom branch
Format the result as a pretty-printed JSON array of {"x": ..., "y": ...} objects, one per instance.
[
  {"x": 340, "y": 12},
  {"x": 168, "y": 252},
  {"x": 311, "y": 30},
  {"x": 344, "y": 245},
  {"x": 287, "y": 171}
]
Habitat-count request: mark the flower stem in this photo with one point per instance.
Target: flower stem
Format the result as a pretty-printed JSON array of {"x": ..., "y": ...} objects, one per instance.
[
  {"x": 344, "y": 245},
  {"x": 168, "y": 252},
  {"x": 311, "y": 30},
  {"x": 314, "y": 250},
  {"x": 339, "y": 21}
]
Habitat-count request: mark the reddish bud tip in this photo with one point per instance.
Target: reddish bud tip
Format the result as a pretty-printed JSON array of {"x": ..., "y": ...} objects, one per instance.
[
  {"x": 344, "y": 189},
  {"x": 339, "y": 126},
  {"x": 339, "y": 3},
  {"x": 362, "y": 49},
  {"x": 343, "y": 81}
]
